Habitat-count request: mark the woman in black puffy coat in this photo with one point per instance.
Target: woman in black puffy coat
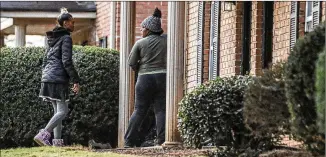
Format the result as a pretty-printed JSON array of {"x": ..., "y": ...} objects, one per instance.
[{"x": 57, "y": 71}]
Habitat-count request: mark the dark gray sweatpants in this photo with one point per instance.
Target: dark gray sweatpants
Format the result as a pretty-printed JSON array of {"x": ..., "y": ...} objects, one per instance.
[{"x": 150, "y": 90}]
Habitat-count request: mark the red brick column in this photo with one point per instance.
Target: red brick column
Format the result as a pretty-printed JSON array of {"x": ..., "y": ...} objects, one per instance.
[
  {"x": 256, "y": 38},
  {"x": 323, "y": 10},
  {"x": 207, "y": 26},
  {"x": 302, "y": 12}
]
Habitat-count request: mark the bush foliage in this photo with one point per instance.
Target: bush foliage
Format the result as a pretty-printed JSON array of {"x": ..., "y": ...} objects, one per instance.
[
  {"x": 212, "y": 113},
  {"x": 93, "y": 113},
  {"x": 265, "y": 110},
  {"x": 320, "y": 91},
  {"x": 300, "y": 88}
]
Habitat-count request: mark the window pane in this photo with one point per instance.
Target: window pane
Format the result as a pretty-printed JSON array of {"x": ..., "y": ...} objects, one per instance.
[
  {"x": 101, "y": 43},
  {"x": 309, "y": 26},
  {"x": 309, "y": 8}
]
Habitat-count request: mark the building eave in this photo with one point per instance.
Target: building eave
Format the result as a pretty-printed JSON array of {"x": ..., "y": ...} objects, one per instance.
[{"x": 39, "y": 14}]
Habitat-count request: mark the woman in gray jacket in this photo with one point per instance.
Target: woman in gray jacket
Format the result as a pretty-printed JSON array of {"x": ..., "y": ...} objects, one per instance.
[
  {"x": 148, "y": 57},
  {"x": 57, "y": 70}
]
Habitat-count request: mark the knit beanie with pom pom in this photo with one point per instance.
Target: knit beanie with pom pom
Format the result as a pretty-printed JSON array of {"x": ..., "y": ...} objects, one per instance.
[{"x": 153, "y": 23}]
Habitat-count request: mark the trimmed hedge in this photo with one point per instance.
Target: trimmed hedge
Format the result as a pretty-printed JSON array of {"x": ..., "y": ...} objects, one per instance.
[
  {"x": 320, "y": 91},
  {"x": 212, "y": 113},
  {"x": 265, "y": 110},
  {"x": 93, "y": 113},
  {"x": 300, "y": 88}
]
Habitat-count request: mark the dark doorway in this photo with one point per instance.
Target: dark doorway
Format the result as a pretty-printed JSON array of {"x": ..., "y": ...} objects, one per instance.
[
  {"x": 267, "y": 53},
  {"x": 246, "y": 38}
]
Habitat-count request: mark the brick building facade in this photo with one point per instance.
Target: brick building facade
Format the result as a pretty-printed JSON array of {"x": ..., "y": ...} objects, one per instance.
[
  {"x": 243, "y": 47},
  {"x": 142, "y": 10},
  {"x": 220, "y": 39}
]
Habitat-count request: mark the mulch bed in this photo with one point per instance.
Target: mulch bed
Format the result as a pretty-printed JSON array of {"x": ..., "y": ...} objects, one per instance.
[
  {"x": 159, "y": 151},
  {"x": 185, "y": 152},
  {"x": 286, "y": 153}
]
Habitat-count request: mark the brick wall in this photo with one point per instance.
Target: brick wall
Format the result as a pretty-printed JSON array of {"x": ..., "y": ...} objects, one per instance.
[
  {"x": 117, "y": 26},
  {"x": 92, "y": 36},
  {"x": 142, "y": 10},
  {"x": 103, "y": 19},
  {"x": 230, "y": 33},
  {"x": 230, "y": 40},
  {"x": 281, "y": 33},
  {"x": 145, "y": 9},
  {"x": 256, "y": 38},
  {"x": 191, "y": 49},
  {"x": 191, "y": 45}
]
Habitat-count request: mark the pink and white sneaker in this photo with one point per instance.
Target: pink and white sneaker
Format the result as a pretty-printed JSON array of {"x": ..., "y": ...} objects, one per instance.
[
  {"x": 58, "y": 142},
  {"x": 42, "y": 138}
]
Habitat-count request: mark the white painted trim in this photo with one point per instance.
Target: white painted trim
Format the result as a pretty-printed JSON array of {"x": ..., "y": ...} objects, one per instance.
[
  {"x": 35, "y": 14},
  {"x": 127, "y": 82},
  {"x": 175, "y": 71},
  {"x": 6, "y": 22}
]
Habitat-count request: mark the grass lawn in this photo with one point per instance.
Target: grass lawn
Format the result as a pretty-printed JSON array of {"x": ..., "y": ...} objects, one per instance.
[{"x": 56, "y": 152}]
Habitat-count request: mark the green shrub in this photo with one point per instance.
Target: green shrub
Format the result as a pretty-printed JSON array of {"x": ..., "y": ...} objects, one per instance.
[
  {"x": 266, "y": 113},
  {"x": 320, "y": 91},
  {"x": 300, "y": 88},
  {"x": 212, "y": 113},
  {"x": 93, "y": 113}
]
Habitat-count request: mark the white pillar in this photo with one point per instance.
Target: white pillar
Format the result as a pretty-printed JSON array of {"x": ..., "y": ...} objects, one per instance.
[
  {"x": 127, "y": 76},
  {"x": 113, "y": 25},
  {"x": 45, "y": 41},
  {"x": 20, "y": 35},
  {"x": 175, "y": 70}
]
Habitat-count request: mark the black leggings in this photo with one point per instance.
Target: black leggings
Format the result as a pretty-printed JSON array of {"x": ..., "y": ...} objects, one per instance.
[{"x": 150, "y": 89}]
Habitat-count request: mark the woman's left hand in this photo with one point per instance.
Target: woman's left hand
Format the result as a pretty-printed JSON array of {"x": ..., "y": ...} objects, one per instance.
[{"x": 76, "y": 88}]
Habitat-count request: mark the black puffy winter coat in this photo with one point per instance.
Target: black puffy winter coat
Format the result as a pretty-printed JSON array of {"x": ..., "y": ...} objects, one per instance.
[{"x": 57, "y": 63}]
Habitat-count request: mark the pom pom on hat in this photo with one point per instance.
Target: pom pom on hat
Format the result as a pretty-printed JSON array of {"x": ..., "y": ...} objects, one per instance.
[{"x": 157, "y": 13}]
